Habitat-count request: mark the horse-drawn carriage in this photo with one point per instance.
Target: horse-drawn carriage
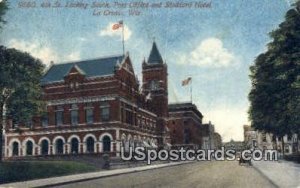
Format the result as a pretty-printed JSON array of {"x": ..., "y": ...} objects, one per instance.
[{"x": 245, "y": 159}]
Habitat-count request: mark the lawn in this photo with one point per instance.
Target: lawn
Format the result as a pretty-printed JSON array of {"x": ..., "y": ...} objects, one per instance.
[{"x": 29, "y": 170}]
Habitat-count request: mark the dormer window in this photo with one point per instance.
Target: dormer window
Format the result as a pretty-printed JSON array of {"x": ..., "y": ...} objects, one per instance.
[
  {"x": 74, "y": 77},
  {"x": 74, "y": 85}
]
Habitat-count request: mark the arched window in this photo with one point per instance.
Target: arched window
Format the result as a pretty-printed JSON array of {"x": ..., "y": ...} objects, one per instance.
[
  {"x": 45, "y": 147},
  {"x": 90, "y": 143},
  {"x": 29, "y": 148},
  {"x": 106, "y": 144},
  {"x": 59, "y": 146},
  {"x": 15, "y": 149},
  {"x": 74, "y": 146}
]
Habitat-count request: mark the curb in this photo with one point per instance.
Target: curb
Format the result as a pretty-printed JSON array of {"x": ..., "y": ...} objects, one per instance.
[
  {"x": 62, "y": 180},
  {"x": 265, "y": 176}
]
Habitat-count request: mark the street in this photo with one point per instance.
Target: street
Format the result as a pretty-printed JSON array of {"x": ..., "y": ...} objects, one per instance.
[{"x": 198, "y": 174}]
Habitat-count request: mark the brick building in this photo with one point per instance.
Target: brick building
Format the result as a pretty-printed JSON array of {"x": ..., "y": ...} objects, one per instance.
[
  {"x": 97, "y": 106},
  {"x": 185, "y": 125}
]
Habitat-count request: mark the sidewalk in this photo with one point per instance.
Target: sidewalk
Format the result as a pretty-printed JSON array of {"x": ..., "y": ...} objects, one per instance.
[
  {"x": 86, "y": 176},
  {"x": 282, "y": 173}
]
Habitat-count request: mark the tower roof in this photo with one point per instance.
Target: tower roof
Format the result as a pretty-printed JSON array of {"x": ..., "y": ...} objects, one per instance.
[{"x": 154, "y": 56}]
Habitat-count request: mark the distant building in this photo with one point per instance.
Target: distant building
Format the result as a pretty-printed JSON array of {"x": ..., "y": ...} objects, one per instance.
[
  {"x": 208, "y": 136},
  {"x": 185, "y": 125},
  {"x": 234, "y": 145},
  {"x": 250, "y": 137},
  {"x": 262, "y": 140},
  {"x": 217, "y": 140},
  {"x": 291, "y": 144}
]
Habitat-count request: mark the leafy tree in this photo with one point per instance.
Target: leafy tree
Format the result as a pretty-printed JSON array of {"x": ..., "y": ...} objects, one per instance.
[
  {"x": 3, "y": 8},
  {"x": 20, "y": 91},
  {"x": 275, "y": 93}
]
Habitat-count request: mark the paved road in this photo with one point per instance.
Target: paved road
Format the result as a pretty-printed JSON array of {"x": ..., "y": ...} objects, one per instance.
[{"x": 198, "y": 174}]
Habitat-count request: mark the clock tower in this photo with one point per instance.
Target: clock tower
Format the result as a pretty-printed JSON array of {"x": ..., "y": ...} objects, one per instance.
[{"x": 155, "y": 82}]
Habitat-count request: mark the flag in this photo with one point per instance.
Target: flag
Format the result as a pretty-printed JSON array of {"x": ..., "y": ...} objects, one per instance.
[
  {"x": 148, "y": 97},
  {"x": 186, "y": 81},
  {"x": 117, "y": 25}
]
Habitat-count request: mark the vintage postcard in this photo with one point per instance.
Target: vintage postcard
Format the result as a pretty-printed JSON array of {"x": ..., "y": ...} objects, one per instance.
[{"x": 150, "y": 93}]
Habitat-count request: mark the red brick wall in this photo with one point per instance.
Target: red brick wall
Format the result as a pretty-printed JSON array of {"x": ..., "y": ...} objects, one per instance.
[{"x": 180, "y": 122}]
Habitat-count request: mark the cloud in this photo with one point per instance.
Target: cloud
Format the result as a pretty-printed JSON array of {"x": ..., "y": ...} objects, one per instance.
[
  {"x": 108, "y": 31},
  {"x": 44, "y": 53},
  {"x": 209, "y": 53},
  {"x": 74, "y": 56},
  {"x": 228, "y": 121},
  {"x": 82, "y": 39}
]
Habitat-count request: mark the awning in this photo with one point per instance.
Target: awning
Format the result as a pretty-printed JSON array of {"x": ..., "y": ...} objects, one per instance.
[{"x": 153, "y": 145}]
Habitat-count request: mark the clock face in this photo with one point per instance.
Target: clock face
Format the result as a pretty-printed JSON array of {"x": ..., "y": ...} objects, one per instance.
[{"x": 154, "y": 85}]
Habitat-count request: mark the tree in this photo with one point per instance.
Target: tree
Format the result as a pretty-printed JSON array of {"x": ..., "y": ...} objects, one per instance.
[
  {"x": 3, "y": 8},
  {"x": 275, "y": 94},
  {"x": 20, "y": 91}
]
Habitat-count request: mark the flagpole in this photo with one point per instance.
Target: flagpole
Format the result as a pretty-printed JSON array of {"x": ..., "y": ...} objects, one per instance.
[
  {"x": 123, "y": 41},
  {"x": 191, "y": 90}
]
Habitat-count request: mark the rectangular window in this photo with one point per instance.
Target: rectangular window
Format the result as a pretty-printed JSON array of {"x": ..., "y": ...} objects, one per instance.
[
  {"x": 143, "y": 123},
  {"x": 89, "y": 116},
  {"x": 128, "y": 117},
  {"x": 122, "y": 114},
  {"x": 186, "y": 136},
  {"x": 264, "y": 137},
  {"x": 45, "y": 121},
  {"x": 135, "y": 119},
  {"x": 58, "y": 118},
  {"x": 15, "y": 124},
  {"x": 74, "y": 117},
  {"x": 29, "y": 124},
  {"x": 105, "y": 113},
  {"x": 138, "y": 122}
]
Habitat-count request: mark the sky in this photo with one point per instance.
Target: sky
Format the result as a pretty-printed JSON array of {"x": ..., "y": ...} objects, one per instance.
[{"x": 215, "y": 46}]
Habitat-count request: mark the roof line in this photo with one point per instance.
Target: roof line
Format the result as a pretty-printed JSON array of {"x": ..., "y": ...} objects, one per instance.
[
  {"x": 183, "y": 102},
  {"x": 78, "y": 61},
  {"x": 77, "y": 68},
  {"x": 92, "y": 77}
]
